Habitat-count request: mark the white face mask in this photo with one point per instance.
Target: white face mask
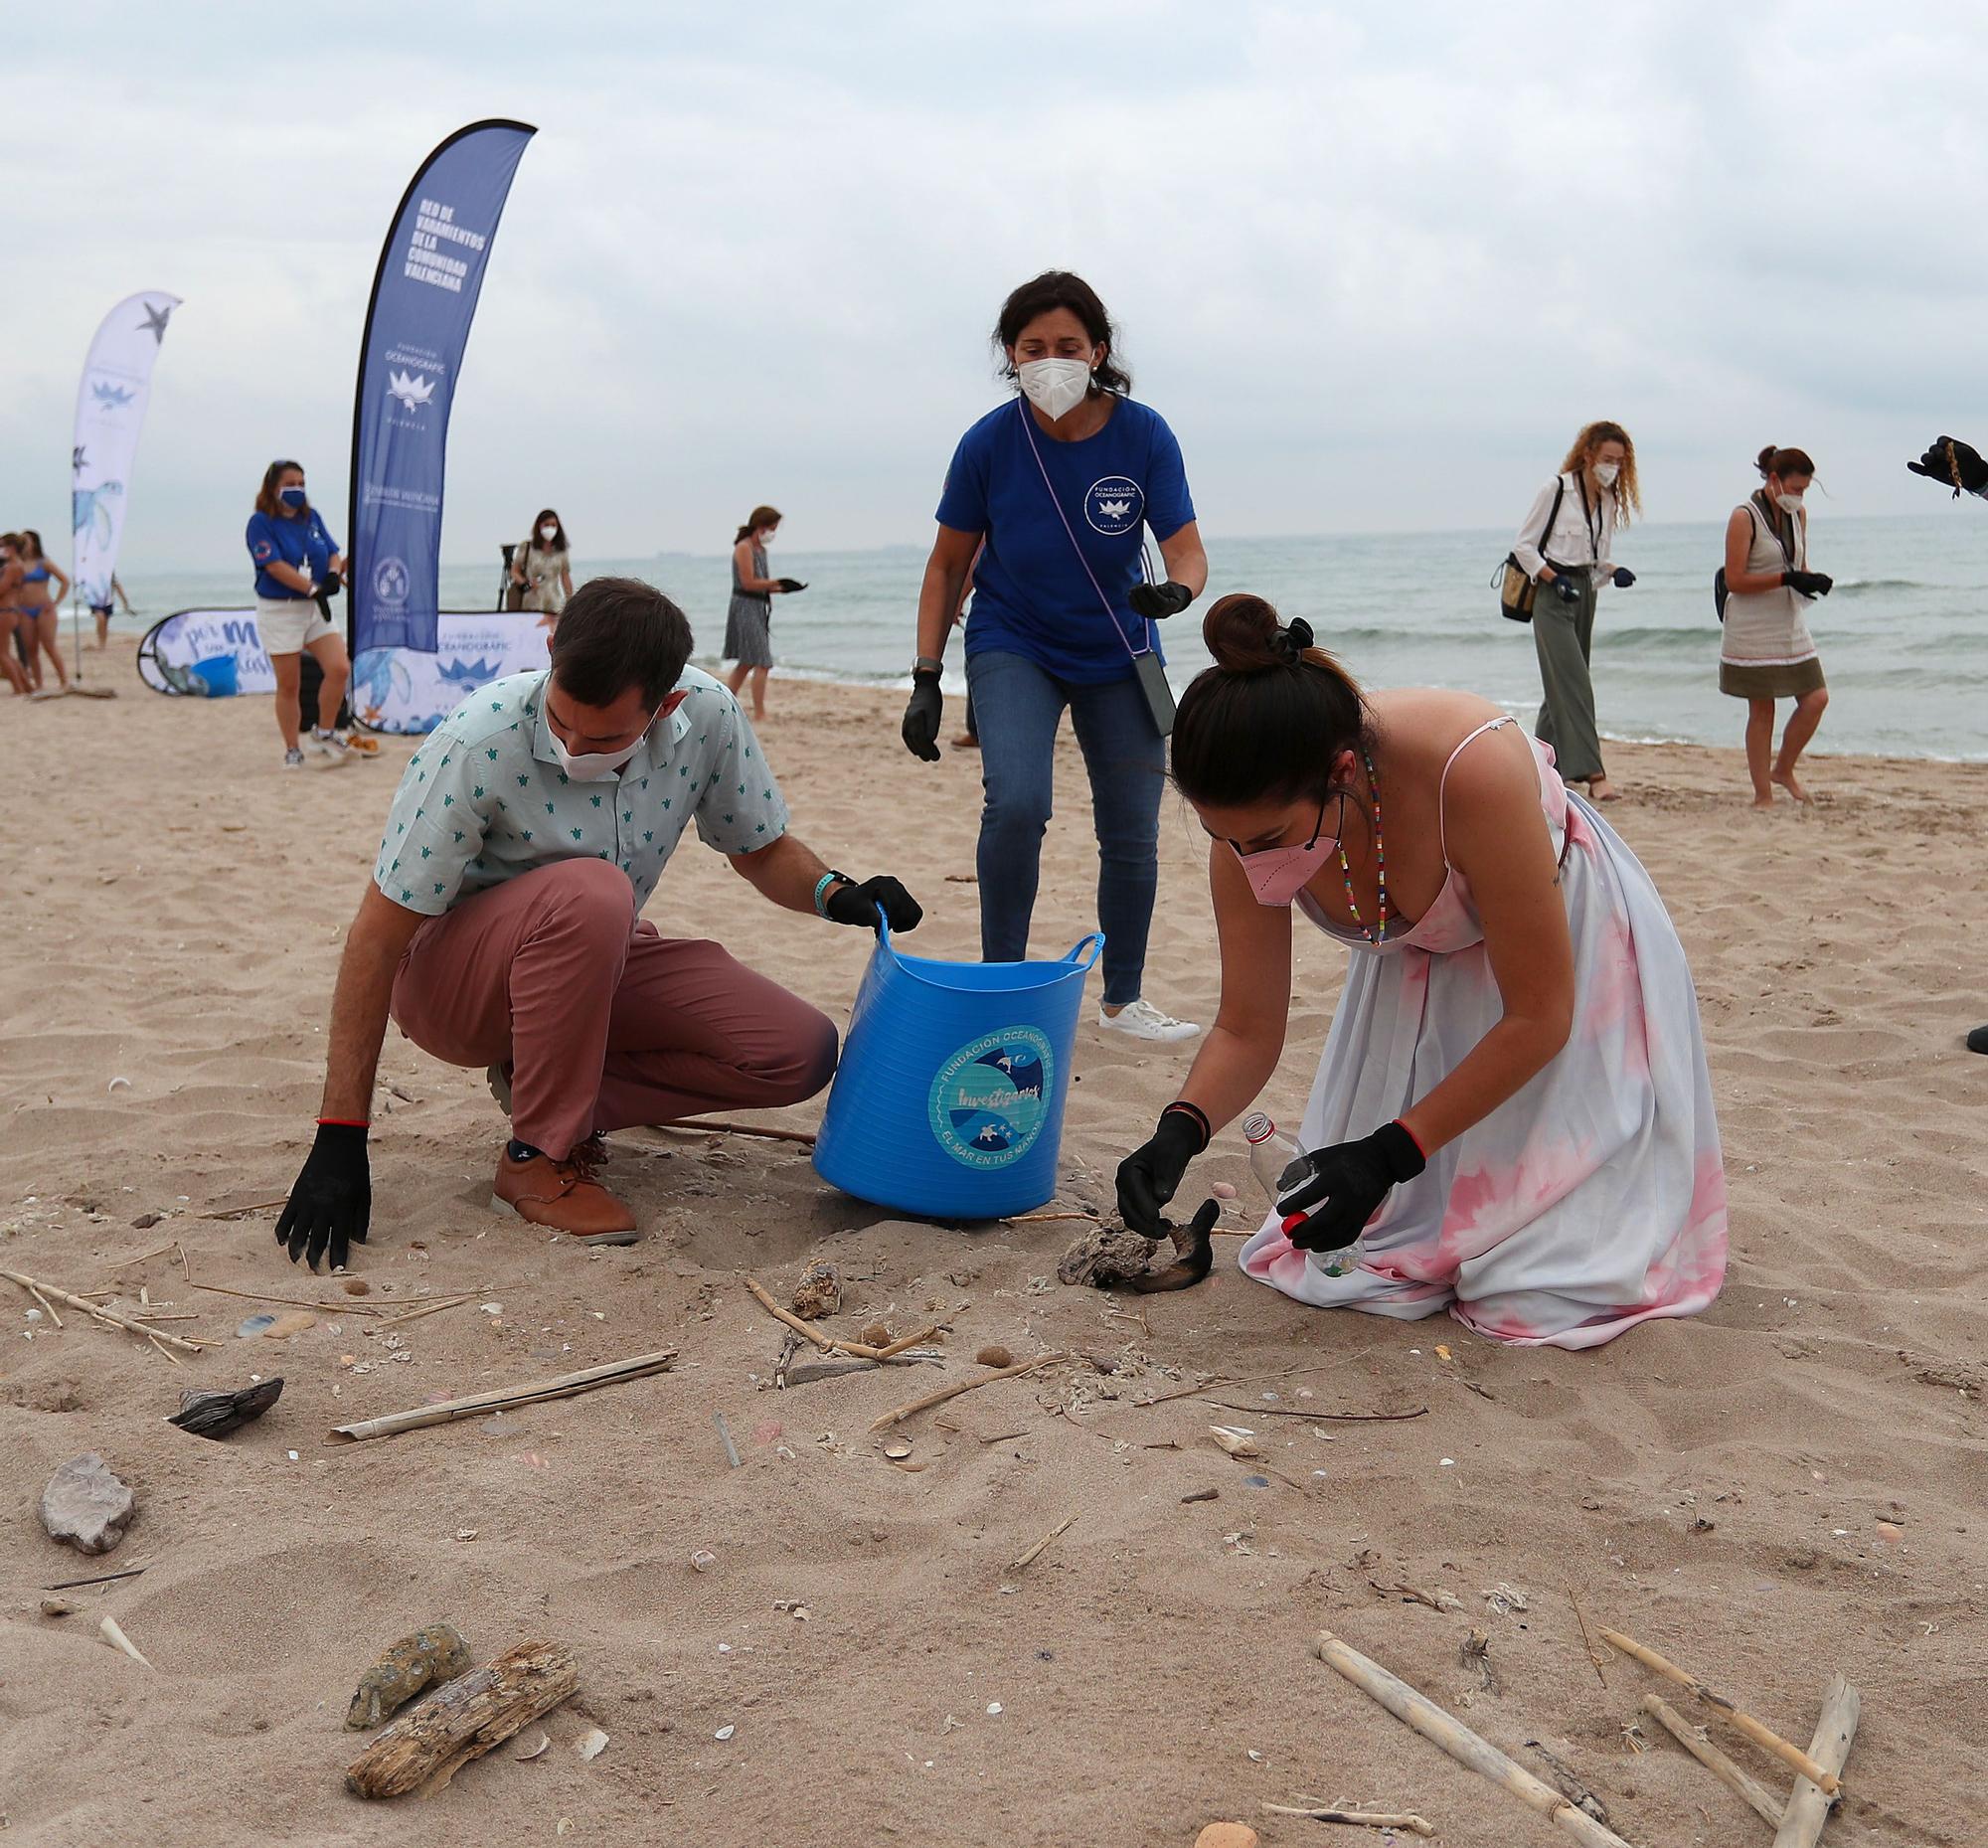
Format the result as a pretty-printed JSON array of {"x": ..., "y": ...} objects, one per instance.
[
  {"x": 1055, "y": 385},
  {"x": 1605, "y": 473},
  {"x": 548, "y": 533},
  {"x": 593, "y": 765},
  {"x": 1788, "y": 503},
  {"x": 764, "y": 536}
]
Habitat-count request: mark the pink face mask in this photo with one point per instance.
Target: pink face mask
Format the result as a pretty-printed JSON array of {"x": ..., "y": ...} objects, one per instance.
[{"x": 1277, "y": 875}]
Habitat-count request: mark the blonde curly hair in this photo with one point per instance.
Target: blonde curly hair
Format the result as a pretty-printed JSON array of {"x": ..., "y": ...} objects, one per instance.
[{"x": 1628, "y": 495}]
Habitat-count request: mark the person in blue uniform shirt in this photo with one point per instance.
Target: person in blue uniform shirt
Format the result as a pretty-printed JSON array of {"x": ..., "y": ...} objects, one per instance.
[
  {"x": 297, "y": 561},
  {"x": 1056, "y": 490}
]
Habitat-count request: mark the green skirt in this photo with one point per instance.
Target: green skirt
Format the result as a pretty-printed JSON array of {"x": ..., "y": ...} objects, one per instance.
[{"x": 1774, "y": 680}]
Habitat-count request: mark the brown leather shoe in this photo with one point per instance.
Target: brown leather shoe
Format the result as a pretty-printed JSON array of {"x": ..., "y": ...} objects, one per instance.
[{"x": 559, "y": 1194}]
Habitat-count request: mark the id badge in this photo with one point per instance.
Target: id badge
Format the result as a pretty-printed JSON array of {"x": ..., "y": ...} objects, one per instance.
[{"x": 1159, "y": 696}]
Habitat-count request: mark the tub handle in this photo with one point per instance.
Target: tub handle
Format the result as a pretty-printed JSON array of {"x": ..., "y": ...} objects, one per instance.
[{"x": 1085, "y": 950}]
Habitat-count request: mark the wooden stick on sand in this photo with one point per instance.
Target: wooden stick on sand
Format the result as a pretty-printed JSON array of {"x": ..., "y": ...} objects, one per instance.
[
  {"x": 1027, "y": 1557},
  {"x": 564, "y": 1387},
  {"x": 1791, "y": 1755},
  {"x": 902, "y": 1412},
  {"x": 692, "y": 1125},
  {"x": 1464, "y": 1745},
  {"x": 1365, "y": 1818},
  {"x": 35, "y": 1287},
  {"x": 463, "y": 1719},
  {"x": 834, "y": 1344},
  {"x": 1809, "y": 1807},
  {"x": 1762, "y": 1801}
]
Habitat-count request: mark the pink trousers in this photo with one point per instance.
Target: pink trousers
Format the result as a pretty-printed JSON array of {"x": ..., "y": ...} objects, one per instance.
[{"x": 600, "y": 1022}]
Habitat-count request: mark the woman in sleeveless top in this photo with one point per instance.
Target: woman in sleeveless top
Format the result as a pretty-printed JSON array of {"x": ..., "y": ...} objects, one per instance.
[
  {"x": 749, "y": 622},
  {"x": 1767, "y": 652},
  {"x": 1513, "y": 1114}
]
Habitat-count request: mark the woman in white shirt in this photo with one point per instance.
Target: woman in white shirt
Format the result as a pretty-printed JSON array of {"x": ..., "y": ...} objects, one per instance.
[
  {"x": 1765, "y": 652},
  {"x": 543, "y": 565},
  {"x": 1563, "y": 546}
]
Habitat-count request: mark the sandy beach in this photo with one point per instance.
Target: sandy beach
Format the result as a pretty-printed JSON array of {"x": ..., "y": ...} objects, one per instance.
[{"x": 1787, "y": 1486}]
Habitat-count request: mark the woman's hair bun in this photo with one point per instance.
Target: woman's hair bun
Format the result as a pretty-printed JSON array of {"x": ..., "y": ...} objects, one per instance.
[
  {"x": 1764, "y": 461},
  {"x": 1241, "y": 632}
]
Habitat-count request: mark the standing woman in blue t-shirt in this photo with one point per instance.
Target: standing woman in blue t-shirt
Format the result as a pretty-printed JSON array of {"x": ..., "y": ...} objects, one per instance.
[
  {"x": 1055, "y": 489},
  {"x": 296, "y": 558}
]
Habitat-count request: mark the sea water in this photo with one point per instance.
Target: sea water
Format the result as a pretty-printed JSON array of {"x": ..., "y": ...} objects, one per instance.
[{"x": 1903, "y": 639}]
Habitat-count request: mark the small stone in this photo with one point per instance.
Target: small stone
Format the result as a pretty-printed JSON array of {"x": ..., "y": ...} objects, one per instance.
[
  {"x": 423, "y": 1661},
  {"x": 290, "y": 1322},
  {"x": 87, "y": 1504},
  {"x": 819, "y": 1293},
  {"x": 1223, "y": 1190},
  {"x": 592, "y": 1746},
  {"x": 357, "y": 1286},
  {"x": 703, "y": 1560},
  {"x": 1227, "y": 1835},
  {"x": 994, "y": 1709},
  {"x": 724, "y": 1732},
  {"x": 877, "y": 1334},
  {"x": 1201, "y": 1495},
  {"x": 59, "y": 1607},
  {"x": 994, "y": 1355},
  {"x": 215, "y": 1413},
  {"x": 145, "y": 1220}
]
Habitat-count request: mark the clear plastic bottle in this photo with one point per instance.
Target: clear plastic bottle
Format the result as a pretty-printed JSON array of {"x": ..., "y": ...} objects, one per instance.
[{"x": 1271, "y": 1155}]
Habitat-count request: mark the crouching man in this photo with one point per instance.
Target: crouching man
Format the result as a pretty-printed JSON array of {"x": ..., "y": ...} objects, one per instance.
[{"x": 501, "y": 925}]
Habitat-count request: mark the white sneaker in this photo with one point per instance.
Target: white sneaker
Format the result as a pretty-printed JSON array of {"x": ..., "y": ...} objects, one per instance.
[
  {"x": 330, "y": 745},
  {"x": 294, "y": 759},
  {"x": 1143, "y": 1021}
]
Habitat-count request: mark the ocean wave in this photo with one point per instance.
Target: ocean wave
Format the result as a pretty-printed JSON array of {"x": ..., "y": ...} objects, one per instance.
[{"x": 1860, "y": 586}]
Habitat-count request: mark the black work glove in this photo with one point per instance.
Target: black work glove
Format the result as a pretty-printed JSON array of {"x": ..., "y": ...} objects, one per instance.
[
  {"x": 1160, "y": 600},
  {"x": 1624, "y": 577},
  {"x": 1953, "y": 462},
  {"x": 790, "y": 585},
  {"x": 922, "y": 716},
  {"x": 332, "y": 1201},
  {"x": 328, "y": 587},
  {"x": 1346, "y": 1184},
  {"x": 1150, "y": 1175},
  {"x": 857, "y": 905},
  {"x": 1565, "y": 587},
  {"x": 1808, "y": 583}
]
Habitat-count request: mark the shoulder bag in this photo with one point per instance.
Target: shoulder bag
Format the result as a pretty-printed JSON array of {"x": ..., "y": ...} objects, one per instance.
[{"x": 1517, "y": 588}]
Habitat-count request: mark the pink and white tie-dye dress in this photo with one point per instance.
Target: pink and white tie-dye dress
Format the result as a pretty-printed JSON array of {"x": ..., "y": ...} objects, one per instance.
[{"x": 1590, "y": 1201}]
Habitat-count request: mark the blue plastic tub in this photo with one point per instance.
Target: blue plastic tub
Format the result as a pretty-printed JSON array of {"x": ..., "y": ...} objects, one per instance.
[
  {"x": 219, "y": 676},
  {"x": 948, "y": 1103}
]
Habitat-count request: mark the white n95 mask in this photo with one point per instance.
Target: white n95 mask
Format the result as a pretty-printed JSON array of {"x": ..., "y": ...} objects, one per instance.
[
  {"x": 1605, "y": 473},
  {"x": 1055, "y": 385}
]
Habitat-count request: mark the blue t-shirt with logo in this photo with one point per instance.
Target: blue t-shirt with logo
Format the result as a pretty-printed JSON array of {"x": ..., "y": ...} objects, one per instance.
[
  {"x": 1031, "y": 595},
  {"x": 300, "y": 541}
]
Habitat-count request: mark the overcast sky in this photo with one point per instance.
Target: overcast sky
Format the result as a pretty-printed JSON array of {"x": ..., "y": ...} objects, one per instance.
[{"x": 1373, "y": 263}]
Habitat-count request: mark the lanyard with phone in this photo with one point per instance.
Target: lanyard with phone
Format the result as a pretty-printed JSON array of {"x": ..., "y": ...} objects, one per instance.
[{"x": 1146, "y": 666}]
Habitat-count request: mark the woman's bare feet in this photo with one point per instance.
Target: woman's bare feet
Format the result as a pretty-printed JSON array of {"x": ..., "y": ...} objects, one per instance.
[
  {"x": 1764, "y": 799},
  {"x": 1786, "y": 778},
  {"x": 1601, "y": 790}
]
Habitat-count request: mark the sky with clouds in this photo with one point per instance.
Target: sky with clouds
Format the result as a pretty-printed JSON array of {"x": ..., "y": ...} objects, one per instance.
[{"x": 1373, "y": 263}]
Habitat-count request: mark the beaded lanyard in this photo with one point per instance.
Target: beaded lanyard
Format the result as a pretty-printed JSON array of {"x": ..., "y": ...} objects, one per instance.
[{"x": 1381, "y": 859}]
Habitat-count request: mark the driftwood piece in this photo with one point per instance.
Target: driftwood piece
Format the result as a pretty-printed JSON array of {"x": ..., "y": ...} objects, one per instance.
[
  {"x": 463, "y": 1719},
  {"x": 565, "y": 1386},
  {"x": 899, "y": 1413},
  {"x": 1762, "y": 1801},
  {"x": 215, "y": 1413},
  {"x": 692, "y": 1125},
  {"x": 1465, "y": 1747},
  {"x": 34, "y": 1287},
  {"x": 1792, "y": 1757},
  {"x": 834, "y": 1344},
  {"x": 1363, "y": 1818},
  {"x": 1566, "y": 1780},
  {"x": 1808, "y": 1808},
  {"x": 1028, "y": 1555}
]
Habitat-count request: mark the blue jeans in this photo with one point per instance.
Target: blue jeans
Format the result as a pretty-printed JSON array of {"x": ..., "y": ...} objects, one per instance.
[{"x": 1019, "y": 707}]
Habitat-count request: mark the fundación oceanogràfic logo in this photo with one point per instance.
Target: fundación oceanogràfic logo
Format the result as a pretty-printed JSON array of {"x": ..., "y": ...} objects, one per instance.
[
  {"x": 413, "y": 389},
  {"x": 1114, "y": 504},
  {"x": 990, "y": 1098},
  {"x": 391, "y": 581}
]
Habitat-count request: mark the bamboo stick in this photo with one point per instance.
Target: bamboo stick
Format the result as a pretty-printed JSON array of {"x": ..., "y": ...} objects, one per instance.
[
  {"x": 426, "y": 1308},
  {"x": 1791, "y": 1755},
  {"x": 905, "y": 1345},
  {"x": 347, "y": 1305},
  {"x": 1465, "y": 1747},
  {"x": 45, "y": 1304},
  {"x": 1027, "y": 1557},
  {"x": 1762, "y": 1801},
  {"x": 835, "y": 1344},
  {"x": 35, "y": 1287},
  {"x": 101, "y": 1578},
  {"x": 565, "y": 1386},
  {"x": 764, "y": 1132},
  {"x": 1365, "y": 1818},
  {"x": 902, "y": 1412},
  {"x": 1809, "y": 1807},
  {"x": 253, "y": 1206}
]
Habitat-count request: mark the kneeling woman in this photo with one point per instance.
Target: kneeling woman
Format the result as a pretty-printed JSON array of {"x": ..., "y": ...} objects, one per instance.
[{"x": 1513, "y": 1100}]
